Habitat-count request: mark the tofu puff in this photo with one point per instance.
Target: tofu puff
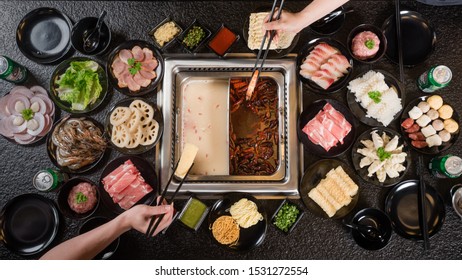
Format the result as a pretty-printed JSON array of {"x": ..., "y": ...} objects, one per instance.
[{"x": 435, "y": 102}]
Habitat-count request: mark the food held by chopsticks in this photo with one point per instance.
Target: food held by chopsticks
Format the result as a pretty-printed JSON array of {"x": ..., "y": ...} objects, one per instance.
[
  {"x": 186, "y": 160},
  {"x": 334, "y": 191},
  {"x": 256, "y": 34}
]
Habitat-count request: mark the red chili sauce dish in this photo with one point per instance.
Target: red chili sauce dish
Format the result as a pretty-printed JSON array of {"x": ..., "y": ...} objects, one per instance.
[{"x": 222, "y": 41}]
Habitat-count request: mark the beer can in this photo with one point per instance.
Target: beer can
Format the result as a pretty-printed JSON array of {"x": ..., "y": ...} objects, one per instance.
[
  {"x": 434, "y": 79},
  {"x": 11, "y": 71},
  {"x": 447, "y": 166},
  {"x": 49, "y": 179}
]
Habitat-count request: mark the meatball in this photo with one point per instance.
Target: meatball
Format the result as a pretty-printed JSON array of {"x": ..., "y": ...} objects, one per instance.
[
  {"x": 365, "y": 45},
  {"x": 82, "y": 198}
]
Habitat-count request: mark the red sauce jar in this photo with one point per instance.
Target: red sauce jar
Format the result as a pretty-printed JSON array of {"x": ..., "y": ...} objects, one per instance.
[{"x": 222, "y": 41}]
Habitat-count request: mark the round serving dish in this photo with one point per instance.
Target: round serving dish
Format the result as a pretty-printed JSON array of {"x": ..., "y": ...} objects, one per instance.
[
  {"x": 64, "y": 194},
  {"x": 337, "y": 85},
  {"x": 83, "y": 26},
  {"x": 326, "y": 29},
  {"x": 159, "y": 70},
  {"x": 140, "y": 148},
  {"x": 66, "y": 106},
  {"x": 378, "y": 32}
]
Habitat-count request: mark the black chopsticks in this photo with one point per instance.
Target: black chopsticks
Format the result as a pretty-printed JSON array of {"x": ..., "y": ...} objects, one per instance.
[
  {"x": 150, "y": 231},
  {"x": 422, "y": 206},
  {"x": 399, "y": 40},
  {"x": 257, "y": 69}
]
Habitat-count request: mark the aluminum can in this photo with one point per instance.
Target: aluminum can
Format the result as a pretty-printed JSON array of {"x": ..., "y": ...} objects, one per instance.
[
  {"x": 435, "y": 78},
  {"x": 447, "y": 166},
  {"x": 12, "y": 71},
  {"x": 49, "y": 179}
]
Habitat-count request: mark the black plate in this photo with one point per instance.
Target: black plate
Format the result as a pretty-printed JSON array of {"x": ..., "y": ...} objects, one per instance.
[
  {"x": 66, "y": 106},
  {"x": 375, "y": 218},
  {"x": 433, "y": 150},
  {"x": 278, "y": 53},
  {"x": 360, "y": 112},
  {"x": 310, "y": 112},
  {"x": 418, "y": 38},
  {"x": 64, "y": 194},
  {"x": 377, "y": 31},
  {"x": 147, "y": 171},
  {"x": 44, "y": 35},
  {"x": 401, "y": 205},
  {"x": 305, "y": 51},
  {"x": 325, "y": 29},
  {"x": 140, "y": 149},
  {"x": 249, "y": 238},
  {"x": 313, "y": 175},
  {"x": 51, "y": 148},
  {"x": 356, "y": 157},
  {"x": 30, "y": 223},
  {"x": 159, "y": 70},
  {"x": 93, "y": 223}
]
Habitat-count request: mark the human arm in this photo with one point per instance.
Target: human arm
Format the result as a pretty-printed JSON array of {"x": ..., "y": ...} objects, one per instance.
[
  {"x": 89, "y": 244},
  {"x": 295, "y": 22}
]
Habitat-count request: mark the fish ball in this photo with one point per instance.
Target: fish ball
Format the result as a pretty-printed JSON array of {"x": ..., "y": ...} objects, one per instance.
[
  {"x": 435, "y": 101},
  {"x": 451, "y": 125},
  {"x": 433, "y": 114},
  {"x": 438, "y": 124},
  {"x": 424, "y": 106},
  {"x": 415, "y": 113},
  {"x": 445, "y": 112},
  {"x": 445, "y": 135}
]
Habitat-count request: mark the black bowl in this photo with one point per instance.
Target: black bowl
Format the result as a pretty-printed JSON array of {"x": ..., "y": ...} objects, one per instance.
[
  {"x": 362, "y": 172},
  {"x": 146, "y": 170},
  {"x": 313, "y": 175},
  {"x": 402, "y": 207},
  {"x": 51, "y": 148},
  {"x": 377, "y": 31},
  {"x": 29, "y": 224},
  {"x": 66, "y": 106},
  {"x": 159, "y": 69},
  {"x": 140, "y": 149},
  {"x": 361, "y": 113},
  {"x": 93, "y": 223},
  {"x": 309, "y": 113},
  {"x": 418, "y": 38},
  {"x": 83, "y": 26},
  {"x": 433, "y": 150},
  {"x": 305, "y": 51},
  {"x": 44, "y": 35},
  {"x": 278, "y": 53},
  {"x": 326, "y": 29},
  {"x": 64, "y": 194},
  {"x": 299, "y": 216},
  {"x": 183, "y": 34},
  {"x": 375, "y": 218}
]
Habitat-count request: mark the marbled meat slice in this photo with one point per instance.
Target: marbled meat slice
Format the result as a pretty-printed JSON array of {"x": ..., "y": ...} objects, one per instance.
[
  {"x": 339, "y": 119},
  {"x": 138, "y": 53},
  {"x": 124, "y": 181},
  {"x": 125, "y": 55},
  {"x": 328, "y": 123},
  {"x": 132, "y": 194},
  {"x": 319, "y": 135},
  {"x": 110, "y": 179}
]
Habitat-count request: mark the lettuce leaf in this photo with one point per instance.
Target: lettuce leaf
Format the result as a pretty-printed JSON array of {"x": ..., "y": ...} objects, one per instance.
[{"x": 80, "y": 84}]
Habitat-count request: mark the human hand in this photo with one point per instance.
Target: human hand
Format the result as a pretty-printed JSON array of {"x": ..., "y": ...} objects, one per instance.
[
  {"x": 139, "y": 216},
  {"x": 288, "y": 22}
]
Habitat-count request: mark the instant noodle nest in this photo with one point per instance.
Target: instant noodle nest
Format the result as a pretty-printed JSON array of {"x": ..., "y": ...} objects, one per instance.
[{"x": 225, "y": 230}]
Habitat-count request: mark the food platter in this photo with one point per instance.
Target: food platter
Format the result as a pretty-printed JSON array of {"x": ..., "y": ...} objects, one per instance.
[
  {"x": 249, "y": 238},
  {"x": 337, "y": 85},
  {"x": 363, "y": 172},
  {"x": 146, "y": 171},
  {"x": 30, "y": 223},
  {"x": 313, "y": 175},
  {"x": 277, "y": 53},
  {"x": 310, "y": 113},
  {"x": 401, "y": 205},
  {"x": 435, "y": 149},
  {"x": 361, "y": 113}
]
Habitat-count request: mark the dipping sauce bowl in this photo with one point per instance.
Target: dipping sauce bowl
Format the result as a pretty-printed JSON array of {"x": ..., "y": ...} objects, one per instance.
[
  {"x": 193, "y": 213},
  {"x": 456, "y": 194},
  {"x": 223, "y": 40}
]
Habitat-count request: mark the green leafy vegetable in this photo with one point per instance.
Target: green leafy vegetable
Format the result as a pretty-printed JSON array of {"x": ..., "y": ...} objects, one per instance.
[
  {"x": 80, "y": 198},
  {"x": 369, "y": 44},
  {"x": 194, "y": 37},
  {"x": 27, "y": 114},
  {"x": 286, "y": 216},
  {"x": 80, "y": 84},
  {"x": 375, "y": 96},
  {"x": 135, "y": 66},
  {"x": 382, "y": 154}
]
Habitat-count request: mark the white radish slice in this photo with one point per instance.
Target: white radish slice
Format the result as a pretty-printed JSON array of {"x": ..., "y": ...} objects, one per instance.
[
  {"x": 50, "y": 107},
  {"x": 40, "y": 119},
  {"x": 18, "y": 120},
  {"x": 38, "y": 90},
  {"x": 4, "y": 130},
  {"x": 15, "y": 98},
  {"x": 19, "y": 106},
  {"x": 32, "y": 124},
  {"x": 22, "y": 90},
  {"x": 3, "y": 109},
  {"x": 42, "y": 107},
  {"x": 47, "y": 127},
  {"x": 24, "y": 139},
  {"x": 9, "y": 124}
]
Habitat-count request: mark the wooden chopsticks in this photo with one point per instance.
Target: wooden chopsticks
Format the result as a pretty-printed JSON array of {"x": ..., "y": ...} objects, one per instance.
[
  {"x": 256, "y": 71},
  {"x": 422, "y": 206},
  {"x": 150, "y": 231}
]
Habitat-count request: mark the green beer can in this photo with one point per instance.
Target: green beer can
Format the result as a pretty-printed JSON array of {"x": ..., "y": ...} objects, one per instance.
[
  {"x": 11, "y": 71},
  {"x": 49, "y": 179},
  {"x": 447, "y": 166},
  {"x": 435, "y": 78}
]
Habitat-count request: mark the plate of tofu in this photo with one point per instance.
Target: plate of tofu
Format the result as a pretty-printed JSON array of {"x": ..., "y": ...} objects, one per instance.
[{"x": 329, "y": 190}]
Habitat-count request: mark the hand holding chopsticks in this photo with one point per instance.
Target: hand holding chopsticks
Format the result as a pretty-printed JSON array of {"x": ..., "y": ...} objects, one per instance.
[{"x": 256, "y": 71}]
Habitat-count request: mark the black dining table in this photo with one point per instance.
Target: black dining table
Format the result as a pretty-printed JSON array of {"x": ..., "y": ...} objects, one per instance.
[{"x": 313, "y": 237}]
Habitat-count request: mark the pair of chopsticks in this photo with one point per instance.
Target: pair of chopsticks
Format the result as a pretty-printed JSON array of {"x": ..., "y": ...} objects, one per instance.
[
  {"x": 422, "y": 209},
  {"x": 151, "y": 229},
  {"x": 399, "y": 40},
  {"x": 256, "y": 71}
]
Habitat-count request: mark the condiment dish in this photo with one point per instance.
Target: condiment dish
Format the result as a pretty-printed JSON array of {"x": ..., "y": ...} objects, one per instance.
[
  {"x": 83, "y": 26},
  {"x": 198, "y": 45},
  {"x": 376, "y": 219},
  {"x": 378, "y": 32},
  {"x": 193, "y": 214},
  {"x": 295, "y": 219},
  {"x": 63, "y": 196},
  {"x": 169, "y": 43}
]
